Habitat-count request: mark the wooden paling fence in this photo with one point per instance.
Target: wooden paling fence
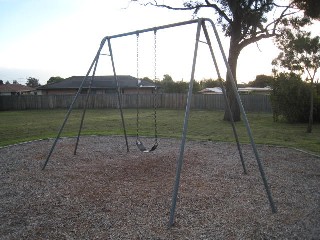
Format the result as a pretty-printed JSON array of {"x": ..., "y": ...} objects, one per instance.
[{"x": 252, "y": 103}]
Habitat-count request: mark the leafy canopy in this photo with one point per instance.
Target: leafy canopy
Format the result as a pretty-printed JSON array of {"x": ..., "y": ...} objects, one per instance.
[
  {"x": 300, "y": 52},
  {"x": 32, "y": 82}
]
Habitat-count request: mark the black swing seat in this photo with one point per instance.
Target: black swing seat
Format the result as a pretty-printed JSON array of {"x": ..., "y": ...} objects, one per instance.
[{"x": 142, "y": 148}]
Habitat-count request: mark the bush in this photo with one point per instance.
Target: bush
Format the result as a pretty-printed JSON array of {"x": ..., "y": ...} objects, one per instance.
[
  {"x": 316, "y": 113},
  {"x": 290, "y": 99}
]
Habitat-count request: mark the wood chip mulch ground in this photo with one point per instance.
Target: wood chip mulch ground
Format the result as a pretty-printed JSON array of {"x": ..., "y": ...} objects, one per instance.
[{"x": 104, "y": 192}]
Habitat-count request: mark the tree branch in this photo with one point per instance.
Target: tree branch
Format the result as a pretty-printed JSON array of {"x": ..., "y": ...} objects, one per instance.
[
  {"x": 264, "y": 33},
  {"x": 253, "y": 39},
  {"x": 219, "y": 11},
  {"x": 195, "y": 7}
]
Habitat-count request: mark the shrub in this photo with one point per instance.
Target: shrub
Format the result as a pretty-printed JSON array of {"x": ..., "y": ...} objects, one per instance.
[
  {"x": 316, "y": 113},
  {"x": 290, "y": 98}
]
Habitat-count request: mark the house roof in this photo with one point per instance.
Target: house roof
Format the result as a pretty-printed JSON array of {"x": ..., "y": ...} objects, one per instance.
[
  {"x": 99, "y": 82},
  {"x": 243, "y": 90},
  {"x": 255, "y": 89},
  {"x": 8, "y": 88},
  {"x": 211, "y": 90}
]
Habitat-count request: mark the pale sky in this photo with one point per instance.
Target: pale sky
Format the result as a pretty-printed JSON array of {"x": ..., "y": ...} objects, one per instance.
[{"x": 45, "y": 38}]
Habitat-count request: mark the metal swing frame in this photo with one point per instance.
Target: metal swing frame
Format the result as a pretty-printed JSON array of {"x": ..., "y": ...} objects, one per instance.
[{"x": 201, "y": 24}]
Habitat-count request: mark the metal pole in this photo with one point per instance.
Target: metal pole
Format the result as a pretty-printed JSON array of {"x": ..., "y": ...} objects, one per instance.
[
  {"x": 225, "y": 96},
  {"x": 85, "y": 106},
  {"x": 185, "y": 128},
  {"x": 71, "y": 105},
  {"x": 234, "y": 88},
  {"x": 118, "y": 94},
  {"x": 154, "y": 28}
]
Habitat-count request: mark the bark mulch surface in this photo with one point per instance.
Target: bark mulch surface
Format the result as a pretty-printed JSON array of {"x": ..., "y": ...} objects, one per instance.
[{"x": 104, "y": 192}]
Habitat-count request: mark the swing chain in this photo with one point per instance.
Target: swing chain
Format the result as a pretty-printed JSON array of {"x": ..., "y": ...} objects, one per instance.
[
  {"x": 155, "y": 55},
  {"x": 138, "y": 85},
  {"x": 138, "y": 142},
  {"x": 137, "y": 55},
  {"x": 155, "y": 89}
]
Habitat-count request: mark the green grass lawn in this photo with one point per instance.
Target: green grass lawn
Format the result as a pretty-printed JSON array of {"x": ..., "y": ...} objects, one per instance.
[{"x": 20, "y": 126}]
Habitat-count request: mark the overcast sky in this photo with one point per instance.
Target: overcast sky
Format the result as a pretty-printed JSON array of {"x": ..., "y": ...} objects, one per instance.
[{"x": 44, "y": 38}]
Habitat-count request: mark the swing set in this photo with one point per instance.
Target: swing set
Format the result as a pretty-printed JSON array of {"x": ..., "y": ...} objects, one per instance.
[{"x": 201, "y": 24}]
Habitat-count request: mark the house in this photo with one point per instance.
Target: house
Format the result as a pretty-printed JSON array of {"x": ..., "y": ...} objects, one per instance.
[
  {"x": 215, "y": 90},
  {"x": 15, "y": 89},
  {"x": 255, "y": 90},
  {"x": 245, "y": 90},
  {"x": 100, "y": 85}
]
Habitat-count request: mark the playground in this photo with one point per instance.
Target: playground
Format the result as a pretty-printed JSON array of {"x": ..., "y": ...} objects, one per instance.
[
  {"x": 124, "y": 187},
  {"x": 104, "y": 192}
]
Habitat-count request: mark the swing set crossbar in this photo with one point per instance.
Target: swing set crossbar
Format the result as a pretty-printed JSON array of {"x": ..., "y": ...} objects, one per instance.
[{"x": 155, "y": 28}]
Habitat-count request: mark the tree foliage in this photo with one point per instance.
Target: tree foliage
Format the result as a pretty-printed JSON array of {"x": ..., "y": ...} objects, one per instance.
[
  {"x": 168, "y": 85},
  {"x": 300, "y": 53},
  {"x": 261, "y": 81},
  {"x": 55, "y": 80},
  {"x": 311, "y": 8},
  {"x": 209, "y": 83},
  {"x": 32, "y": 82},
  {"x": 290, "y": 98}
]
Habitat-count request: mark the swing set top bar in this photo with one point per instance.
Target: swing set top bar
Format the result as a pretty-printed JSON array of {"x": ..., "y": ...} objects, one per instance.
[{"x": 158, "y": 28}]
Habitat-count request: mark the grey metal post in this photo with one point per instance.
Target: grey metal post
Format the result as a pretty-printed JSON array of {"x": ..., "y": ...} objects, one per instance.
[
  {"x": 225, "y": 96},
  {"x": 118, "y": 94},
  {"x": 234, "y": 88},
  {"x": 85, "y": 106},
  {"x": 185, "y": 129},
  {"x": 72, "y": 103}
]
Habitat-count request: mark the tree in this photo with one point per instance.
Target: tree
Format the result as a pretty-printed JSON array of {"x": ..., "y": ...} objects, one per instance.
[
  {"x": 196, "y": 87},
  {"x": 167, "y": 84},
  {"x": 1, "y": 82},
  {"x": 15, "y": 82},
  {"x": 209, "y": 83},
  {"x": 55, "y": 80},
  {"x": 310, "y": 7},
  {"x": 245, "y": 22},
  {"x": 300, "y": 53},
  {"x": 289, "y": 98},
  {"x": 261, "y": 81},
  {"x": 32, "y": 82},
  {"x": 181, "y": 87}
]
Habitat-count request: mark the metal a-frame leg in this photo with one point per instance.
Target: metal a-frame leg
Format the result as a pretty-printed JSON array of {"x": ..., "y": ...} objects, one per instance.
[
  {"x": 85, "y": 106},
  {"x": 245, "y": 119},
  {"x": 185, "y": 126},
  {"x": 205, "y": 31},
  {"x": 119, "y": 101},
  {"x": 185, "y": 129},
  {"x": 93, "y": 64},
  {"x": 72, "y": 103},
  {"x": 118, "y": 94}
]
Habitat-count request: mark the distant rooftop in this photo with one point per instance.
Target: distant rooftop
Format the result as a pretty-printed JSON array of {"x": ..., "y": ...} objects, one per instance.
[
  {"x": 124, "y": 81},
  {"x": 17, "y": 88},
  {"x": 216, "y": 90}
]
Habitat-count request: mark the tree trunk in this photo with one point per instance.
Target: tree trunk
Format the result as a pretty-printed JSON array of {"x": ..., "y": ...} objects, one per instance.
[
  {"x": 234, "y": 52},
  {"x": 309, "y": 129}
]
